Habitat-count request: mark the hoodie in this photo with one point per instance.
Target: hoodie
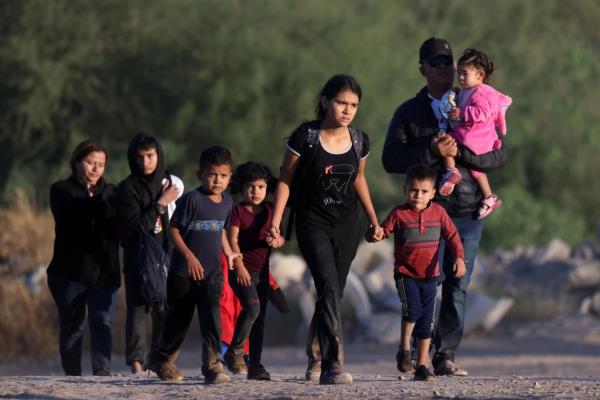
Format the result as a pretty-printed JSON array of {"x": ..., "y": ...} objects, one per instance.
[{"x": 137, "y": 197}]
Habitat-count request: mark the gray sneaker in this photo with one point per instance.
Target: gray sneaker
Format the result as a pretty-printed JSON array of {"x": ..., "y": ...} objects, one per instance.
[
  {"x": 404, "y": 362},
  {"x": 335, "y": 377},
  {"x": 313, "y": 372},
  {"x": 168, "y": 372},
  {"x": 449, "y": 367},
  {"x": 216, "y": 377},
  {"x": 423, "y": 374}
]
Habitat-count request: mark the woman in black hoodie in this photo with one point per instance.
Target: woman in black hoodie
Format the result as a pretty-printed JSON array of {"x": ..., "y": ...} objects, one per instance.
[
  {"x": 84, "y": 270},
  {"x": 144, "y": 198}
]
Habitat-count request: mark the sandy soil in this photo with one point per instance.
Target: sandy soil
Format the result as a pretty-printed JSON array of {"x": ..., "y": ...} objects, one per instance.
[{"x": 531, "y": 361}]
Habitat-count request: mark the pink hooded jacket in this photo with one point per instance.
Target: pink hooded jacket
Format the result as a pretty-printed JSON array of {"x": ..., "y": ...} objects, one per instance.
[{"x": 481, "y": 113}]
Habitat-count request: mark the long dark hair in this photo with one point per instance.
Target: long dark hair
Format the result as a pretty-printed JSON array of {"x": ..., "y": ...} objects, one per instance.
[
  {"x": 334, "y": 85},
  {"x": 82, "y": 150},
  {"x": 479, "y": 60}
]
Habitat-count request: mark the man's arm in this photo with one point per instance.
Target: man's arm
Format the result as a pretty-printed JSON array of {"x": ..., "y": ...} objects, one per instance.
[
  {"x": 483, "y": 162},
  {"x": 399, "y": 153}
]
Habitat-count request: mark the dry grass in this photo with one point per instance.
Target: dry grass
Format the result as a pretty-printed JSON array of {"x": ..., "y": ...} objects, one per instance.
[
  {"x": 26, "y": 237},
  {"x": 28, "y": 321}
]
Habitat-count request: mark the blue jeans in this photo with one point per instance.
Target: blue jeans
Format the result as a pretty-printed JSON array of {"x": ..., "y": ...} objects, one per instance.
[
  {"x": 71, "y": 299},
  {"x": 450, "y": 325}
]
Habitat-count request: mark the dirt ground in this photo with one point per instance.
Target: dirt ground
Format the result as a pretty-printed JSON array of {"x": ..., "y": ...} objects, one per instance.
[{"x": 553, "y": 360}]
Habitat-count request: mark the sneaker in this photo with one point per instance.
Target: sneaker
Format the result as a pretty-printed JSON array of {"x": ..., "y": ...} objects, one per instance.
[
  {"x": 449, "y": 367},
  {"x": 215, "y": 377},
  {"x": 313, "y": 372},
  {"x": 168, "y": 372},
  {"x": 488, "y": 205},
  {"x": 404, "y": 362},
  {"x": 423, "y": 374},
  {"x": 234, "y": 361},
  {"x": 136, "y": 367},
  {"x": 451, "y": 178},
  {"x": 258, "y": 373},
  {"x": 335, "y": 377}
]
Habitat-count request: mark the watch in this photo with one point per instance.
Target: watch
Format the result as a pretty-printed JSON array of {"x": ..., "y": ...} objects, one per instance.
[{"x": 161, "y": 209}]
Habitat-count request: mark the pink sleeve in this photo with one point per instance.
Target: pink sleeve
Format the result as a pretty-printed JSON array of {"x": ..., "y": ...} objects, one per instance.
[
  {"x": 450, "y": 234},
  {"x": 479, "y": 108}
]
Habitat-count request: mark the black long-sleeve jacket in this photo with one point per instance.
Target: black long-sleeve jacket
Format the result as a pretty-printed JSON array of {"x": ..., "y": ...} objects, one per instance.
[
  {"x": 408, "y": 143},
  {"x": 86, "y": 247}
]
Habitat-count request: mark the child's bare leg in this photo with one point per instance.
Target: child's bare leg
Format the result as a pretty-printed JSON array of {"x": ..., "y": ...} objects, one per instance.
[
  {"x": 423, "y": 351},
  {"x": 406, "y": 334},
  {"x": 484, "y": 185}
]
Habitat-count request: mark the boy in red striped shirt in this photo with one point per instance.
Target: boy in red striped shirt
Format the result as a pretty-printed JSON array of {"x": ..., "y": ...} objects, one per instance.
[{"x": 418, "y": 226}]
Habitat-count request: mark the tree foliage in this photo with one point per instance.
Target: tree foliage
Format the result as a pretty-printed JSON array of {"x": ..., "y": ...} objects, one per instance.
[{"x": 244, "y": 73}]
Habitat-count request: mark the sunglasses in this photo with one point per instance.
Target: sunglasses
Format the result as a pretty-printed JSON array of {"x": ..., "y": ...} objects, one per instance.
[{"x": 436, "y": 62}]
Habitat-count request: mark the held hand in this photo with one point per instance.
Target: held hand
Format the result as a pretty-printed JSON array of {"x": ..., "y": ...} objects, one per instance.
[
  {"x": 279, "y": 242},
  {"x": 231, "y": 258},
  {"x": 275, "y": 243},
  {"x": 274, "y": 233},
  {"x": 444, "y": 146},
  {"x": 169, "y": 194},
  {"x": 378, "y": 233},
  {"x": 455, "y": 114},
  {"x": 242, "y": 275},
  {"x": 195, "y": 270},
  {"x": 459, "y": 268}
]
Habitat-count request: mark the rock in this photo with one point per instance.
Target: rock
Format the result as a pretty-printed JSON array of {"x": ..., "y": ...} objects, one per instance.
[
  {"x": 484, "y": 311},
  {"x": 537, "y": 386},
  {"x": 369, "y": 254},
  {"x": 584, "y": 275},
  {"x": 385, "y": 328},
  {"x": 286, "y": 268},
  {"x": 380, "y": 285},
  {"x": 356, "y": 293},
  {"x": 555, "y": 250}
]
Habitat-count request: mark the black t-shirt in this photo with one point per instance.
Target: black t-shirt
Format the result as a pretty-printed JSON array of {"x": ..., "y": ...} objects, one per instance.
[
  {"x": 327, "y": 194},
  {"x": 202, "y": 222}
]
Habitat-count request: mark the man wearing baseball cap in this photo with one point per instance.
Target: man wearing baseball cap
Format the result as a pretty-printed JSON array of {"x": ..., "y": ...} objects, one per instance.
[{"x": 413, "y": 138}]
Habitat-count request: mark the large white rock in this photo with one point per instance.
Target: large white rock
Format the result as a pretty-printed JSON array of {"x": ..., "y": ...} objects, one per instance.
[{"x": 286, "y": 268}]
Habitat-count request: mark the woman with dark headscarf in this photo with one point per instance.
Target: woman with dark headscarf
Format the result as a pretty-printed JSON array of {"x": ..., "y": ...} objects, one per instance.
[
  {"x": 145, "y": 198},
  {"x": 84, "y": 271}
]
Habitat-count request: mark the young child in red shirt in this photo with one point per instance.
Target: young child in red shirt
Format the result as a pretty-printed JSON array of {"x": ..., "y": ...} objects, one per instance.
[
  {"x": 418, "y": 226},
  {"x": 250, "y": 222}
]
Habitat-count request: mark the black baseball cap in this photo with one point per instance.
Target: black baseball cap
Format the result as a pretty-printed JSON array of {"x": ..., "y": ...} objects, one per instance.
[{"x": 433, "y": 47}]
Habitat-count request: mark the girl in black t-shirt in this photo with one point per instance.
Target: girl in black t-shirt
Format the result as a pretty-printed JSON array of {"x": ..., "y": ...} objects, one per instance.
[{"x": 326, "y": 204}]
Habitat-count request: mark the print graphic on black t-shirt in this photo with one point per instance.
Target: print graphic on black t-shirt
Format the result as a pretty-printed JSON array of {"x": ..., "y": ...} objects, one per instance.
[{"x": 335, "y": 179}]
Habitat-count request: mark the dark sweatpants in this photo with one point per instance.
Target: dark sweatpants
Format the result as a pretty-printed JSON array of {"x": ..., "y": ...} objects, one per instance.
[
  {"x": 183, "y": 296},
  {"x": 328, "y": 251},
  {"x": 251, "y": 321}
]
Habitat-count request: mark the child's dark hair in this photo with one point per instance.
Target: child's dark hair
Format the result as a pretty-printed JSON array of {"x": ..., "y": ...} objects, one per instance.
[
  {"x": 252, "y": 171},
  {"x": 215, "y": 155},
  {"x": 478, "y": 59},
  {"x": 420, "y": 173},
  {"x": 334, "y": 85},
  {"x": 147, "y": 143}
]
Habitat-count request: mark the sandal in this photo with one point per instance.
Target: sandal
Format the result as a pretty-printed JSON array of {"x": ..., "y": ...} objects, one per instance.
[
  {"x": 451, "y": 178},
  {"x": 488, "y": 205}
]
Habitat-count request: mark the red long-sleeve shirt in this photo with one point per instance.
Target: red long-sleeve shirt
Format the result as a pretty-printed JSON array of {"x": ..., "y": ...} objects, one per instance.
[{"x": 417, "y": 236}]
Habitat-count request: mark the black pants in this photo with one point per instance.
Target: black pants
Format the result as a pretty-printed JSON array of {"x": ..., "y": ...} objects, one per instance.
[
  {"x": 136, "y": 324},
  {"x": 328, "y": 251},
  {"x": 184, "y": 295},
  {"x": 71, "y": 299},
  {"x": 251, "y": 321}
]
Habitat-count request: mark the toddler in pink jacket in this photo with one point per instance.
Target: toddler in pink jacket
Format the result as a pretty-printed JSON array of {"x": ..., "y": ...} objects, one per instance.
[{"x": 476, "y": 121}]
